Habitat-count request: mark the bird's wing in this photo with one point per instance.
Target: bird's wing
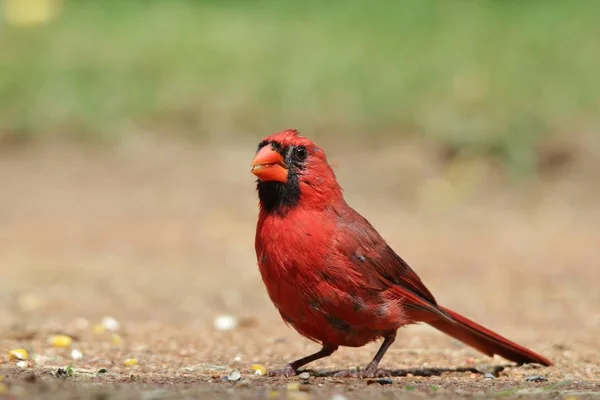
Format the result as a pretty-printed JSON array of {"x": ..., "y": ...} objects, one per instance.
[{"x": 369, "y": 254}]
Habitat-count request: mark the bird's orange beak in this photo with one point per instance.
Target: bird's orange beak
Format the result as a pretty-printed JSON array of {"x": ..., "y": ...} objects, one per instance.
[{"x": 268, "y": 165}]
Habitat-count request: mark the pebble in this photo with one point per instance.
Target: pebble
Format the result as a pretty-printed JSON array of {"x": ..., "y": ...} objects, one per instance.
[
  {"x": 225, "y": 322},
  {"x": 536, "y": 378},
  {"x": 111, "y": 324},
  {"x": 304, "y": 376},
  {"x": 76, "y": 354},
  {"x": 234, "y": 376},
  {"x": 487, "y": 375}
]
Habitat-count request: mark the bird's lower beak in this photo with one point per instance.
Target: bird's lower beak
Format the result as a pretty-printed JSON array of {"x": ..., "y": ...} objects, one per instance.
[{"x": 268, "y": 165}]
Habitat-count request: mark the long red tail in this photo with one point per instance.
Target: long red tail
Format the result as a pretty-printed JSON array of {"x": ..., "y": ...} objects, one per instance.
[{"x": 484, "y": 340}]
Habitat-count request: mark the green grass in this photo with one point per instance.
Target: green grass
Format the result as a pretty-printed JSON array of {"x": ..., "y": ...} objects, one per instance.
[{"x": 488, "y": 76}]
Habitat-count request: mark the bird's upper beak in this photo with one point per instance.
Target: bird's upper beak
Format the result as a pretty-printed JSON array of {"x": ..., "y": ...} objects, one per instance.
[{"x": 268, "y": 165}]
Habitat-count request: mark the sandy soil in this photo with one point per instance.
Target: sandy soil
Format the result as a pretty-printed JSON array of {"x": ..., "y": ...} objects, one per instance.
[{"x": 159, "y": 236}]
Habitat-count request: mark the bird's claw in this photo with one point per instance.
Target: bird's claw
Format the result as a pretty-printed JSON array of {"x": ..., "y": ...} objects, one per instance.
[{"x": 286, "y": 372}]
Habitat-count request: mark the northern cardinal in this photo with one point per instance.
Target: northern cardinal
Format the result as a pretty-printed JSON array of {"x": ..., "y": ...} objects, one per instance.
[{"x": 329, "y": 272}]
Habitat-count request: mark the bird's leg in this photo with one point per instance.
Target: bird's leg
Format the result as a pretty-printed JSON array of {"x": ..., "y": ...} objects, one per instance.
[
  {"x": 371, "y": 371},
  {"x": 292, "y": 368}
]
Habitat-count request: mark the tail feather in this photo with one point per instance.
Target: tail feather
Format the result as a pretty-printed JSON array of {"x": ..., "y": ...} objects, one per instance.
[{"x": 485, "y": 340}]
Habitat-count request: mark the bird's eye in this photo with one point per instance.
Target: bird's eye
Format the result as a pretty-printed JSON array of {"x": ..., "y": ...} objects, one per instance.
[{"x": 300, "y": 153}]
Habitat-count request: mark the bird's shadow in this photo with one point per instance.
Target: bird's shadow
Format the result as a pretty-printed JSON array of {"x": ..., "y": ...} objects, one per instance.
[{"x": 425, "y": 372}]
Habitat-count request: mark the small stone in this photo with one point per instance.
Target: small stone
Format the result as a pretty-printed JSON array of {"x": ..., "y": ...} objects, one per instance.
[
  {"x": 22, "y": 364},
  {"x": 536, "y": 378},
  {"x": 304, "y": 376},
  {"x": 234, "y": 375},
  {"x": 225, "y": 322},
  {"x": 76, "y": 354},
  {"x": 487, "y": 375},
  {"x": 102, "y": 371},
  {"x": 110, "y": 324}
]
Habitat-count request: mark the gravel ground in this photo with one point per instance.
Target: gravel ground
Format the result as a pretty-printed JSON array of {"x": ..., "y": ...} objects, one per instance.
[{"x": 159, "y": 237}]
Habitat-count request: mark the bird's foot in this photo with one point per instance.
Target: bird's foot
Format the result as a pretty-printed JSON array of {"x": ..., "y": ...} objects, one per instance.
[
  {"x": 286, "y": 372},
  {"x": 369, "y": 372}
]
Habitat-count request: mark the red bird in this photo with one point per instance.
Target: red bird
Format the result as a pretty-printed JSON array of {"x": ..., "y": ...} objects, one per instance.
[{"x": 329, "y": 272}]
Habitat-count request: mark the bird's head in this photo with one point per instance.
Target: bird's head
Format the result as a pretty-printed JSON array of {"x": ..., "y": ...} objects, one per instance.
[{"x": 292, "y": 170}]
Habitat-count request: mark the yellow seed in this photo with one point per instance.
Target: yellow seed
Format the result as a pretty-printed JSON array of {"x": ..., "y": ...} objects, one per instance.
[
  {"x": 18, "y": 354},
  {"x": 259, "y": 369},
  {"x": 273, "y": 394},
  {"x": 130, "y": 362},
  {"x": 98, "y": 329},
  {"x": 293, "y": 387},
  {"x": 61, "y": 341},
  {"x": 116, "y": 339}
]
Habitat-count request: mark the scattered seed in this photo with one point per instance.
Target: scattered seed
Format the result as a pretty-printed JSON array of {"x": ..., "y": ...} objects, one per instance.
[
  {"x": 98, "y": 329},
  {"x": 225, "y": 322},
  {"x": 273, "y": 394},
  {"x": 536, "y": 378},
  {"x": 304, "y": 376},
  {"x": 22, "y": 364},
  {"x": 76, "y": 354},
  {"x": 18, "y": 354},
  {"x": 259, "y": 369},
  {"x": 234, "y": 375},
  {"x": 116, "y": 339},
  {"x": 130, "y": 362},
  {"x": 61, "y": 341},
  {"x": 487, "y": 375}
]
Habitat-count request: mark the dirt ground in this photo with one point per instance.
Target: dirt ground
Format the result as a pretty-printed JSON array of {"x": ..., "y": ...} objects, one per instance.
[{"x": 159, "y": 236}]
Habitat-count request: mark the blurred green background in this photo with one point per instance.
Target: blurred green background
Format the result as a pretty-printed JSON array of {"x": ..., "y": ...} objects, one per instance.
[{"x": 496, "y": 78}]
